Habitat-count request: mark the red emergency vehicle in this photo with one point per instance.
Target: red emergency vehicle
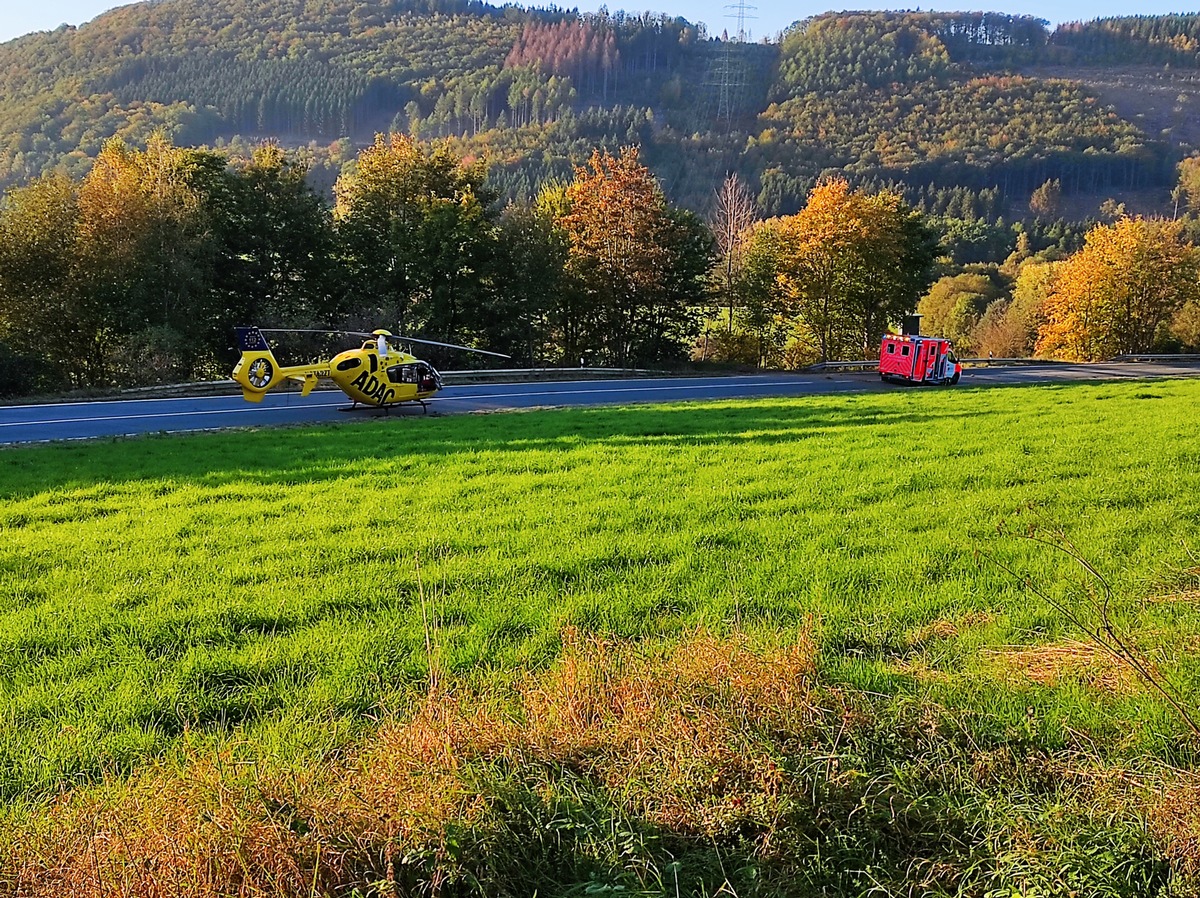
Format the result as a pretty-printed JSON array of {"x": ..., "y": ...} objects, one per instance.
[{"x": 913, "y": 359}]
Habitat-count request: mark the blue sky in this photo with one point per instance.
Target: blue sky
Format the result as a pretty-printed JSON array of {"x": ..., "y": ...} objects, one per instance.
[{"x": 770, "y": 16}]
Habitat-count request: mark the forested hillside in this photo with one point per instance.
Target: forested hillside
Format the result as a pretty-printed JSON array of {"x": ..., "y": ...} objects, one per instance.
[
  {"x": 300, "y": 71},
  {"x": 928, "y": 101},
  {"x": 882, "y": 95}
]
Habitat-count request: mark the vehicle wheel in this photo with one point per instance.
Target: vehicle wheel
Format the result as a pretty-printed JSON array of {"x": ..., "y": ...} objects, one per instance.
[{"x": 955, "y": 378}]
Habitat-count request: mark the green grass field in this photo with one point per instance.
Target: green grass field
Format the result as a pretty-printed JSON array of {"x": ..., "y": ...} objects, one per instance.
[{"x": 278, "y": 593}]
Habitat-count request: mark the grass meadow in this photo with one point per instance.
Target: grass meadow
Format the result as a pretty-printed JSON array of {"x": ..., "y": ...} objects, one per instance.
[{"x": 774, "y": 647}]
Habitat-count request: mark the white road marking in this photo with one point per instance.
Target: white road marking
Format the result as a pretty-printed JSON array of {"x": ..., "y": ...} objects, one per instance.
[
  {"x": 181, "y": 414},
  {"x": 642, "y": 389}
]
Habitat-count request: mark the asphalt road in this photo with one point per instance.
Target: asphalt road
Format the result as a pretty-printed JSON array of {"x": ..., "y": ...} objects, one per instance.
[{"x": 89, "y": 420}]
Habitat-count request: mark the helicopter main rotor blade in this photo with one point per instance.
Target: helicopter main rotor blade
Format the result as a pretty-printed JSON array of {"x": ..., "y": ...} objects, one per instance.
[
  {"x": 398, "y": 338},
  {"x": 302, "y": 330},
  {"x": 498, "y": 355},
  {"x": 394, "y": 337}
]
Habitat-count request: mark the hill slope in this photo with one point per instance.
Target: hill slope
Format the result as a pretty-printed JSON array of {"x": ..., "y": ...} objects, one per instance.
[{"x": 929, "y": 100}]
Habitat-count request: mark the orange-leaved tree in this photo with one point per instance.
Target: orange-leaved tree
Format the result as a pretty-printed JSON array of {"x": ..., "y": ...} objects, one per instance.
[
  {"x": 623, "y": 246},
  {"x": 1111, "y": 296}
]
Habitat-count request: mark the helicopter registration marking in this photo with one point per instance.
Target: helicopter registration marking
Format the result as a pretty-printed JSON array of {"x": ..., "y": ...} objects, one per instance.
[{"x": 373, "y": 388}]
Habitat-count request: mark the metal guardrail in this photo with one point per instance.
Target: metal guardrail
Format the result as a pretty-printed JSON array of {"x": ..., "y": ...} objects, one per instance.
[
  {"x": 1163, "y": 357},
  {"x": 228, "y": 387},
  {"x": 546, "y": 373},
  {"x": 196, "y": 388},
  {"x": 872, "y": 364},
  {"x": 844, "y": 366}
]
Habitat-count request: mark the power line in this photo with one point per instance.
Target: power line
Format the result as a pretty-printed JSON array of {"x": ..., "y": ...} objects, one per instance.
[{"x": 729, "y": 74}]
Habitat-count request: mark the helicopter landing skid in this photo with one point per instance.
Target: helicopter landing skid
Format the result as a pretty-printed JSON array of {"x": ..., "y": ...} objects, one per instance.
[{"x": 381, "y": 410}]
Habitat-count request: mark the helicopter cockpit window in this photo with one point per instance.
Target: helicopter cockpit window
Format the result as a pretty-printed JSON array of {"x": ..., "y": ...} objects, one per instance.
[{"x": 402, "y": 374}]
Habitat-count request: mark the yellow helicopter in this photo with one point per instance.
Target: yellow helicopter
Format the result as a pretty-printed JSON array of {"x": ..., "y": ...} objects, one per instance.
[{"x": 375, "y": 374}]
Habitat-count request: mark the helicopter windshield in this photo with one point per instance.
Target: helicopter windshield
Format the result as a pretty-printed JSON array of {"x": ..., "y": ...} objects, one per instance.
[{"x": 429, "y": 380}]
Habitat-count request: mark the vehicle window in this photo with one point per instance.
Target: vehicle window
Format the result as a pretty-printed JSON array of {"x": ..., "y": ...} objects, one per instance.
[{"x": 904, "y": 350}]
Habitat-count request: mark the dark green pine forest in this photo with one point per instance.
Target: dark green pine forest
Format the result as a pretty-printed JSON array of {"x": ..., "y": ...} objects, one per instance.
[{"x": 1007, "y": 139}]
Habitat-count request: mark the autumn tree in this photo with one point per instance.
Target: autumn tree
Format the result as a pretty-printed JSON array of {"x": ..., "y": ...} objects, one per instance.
[
  {"x": 416, "y": 227},
  {"x": 1046, "y": 199},
  {"x": 119, "y": 263},
  {"x": 182, "y": 245},
  {"x": 848, "y": 264},
  {"x": 1185, "y": 326},
  {"x": 144, "y": 229},
  {"x": 150, "y": 260},
  {"x": 1009, "y": 327},
  {"x": 623, "y": 248},
  {"x": 732, "y": 217},
  {"x": 766, "y": 317},
  {"x": 1112, "y": 296},
  {"x": 43, "y": 314},
  {"x": 572, "y": 318},
  {"x": 955, "y": 306},
  {"x": 1187, "y": 187}
]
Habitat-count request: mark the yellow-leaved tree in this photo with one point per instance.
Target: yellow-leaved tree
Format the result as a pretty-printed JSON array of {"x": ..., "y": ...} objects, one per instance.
[
  {"x": 846, "y": 265},
  {"x": 1113, "y": 295},
  {"x": 416, "y": 225},
  {"x": 1009, "y": 328}
]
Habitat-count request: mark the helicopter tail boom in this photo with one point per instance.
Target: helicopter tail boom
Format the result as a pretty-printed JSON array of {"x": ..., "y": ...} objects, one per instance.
[{"x": 257, "y": 371}]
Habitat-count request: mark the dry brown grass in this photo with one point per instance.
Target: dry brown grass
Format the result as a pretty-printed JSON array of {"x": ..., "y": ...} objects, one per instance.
[
  {"x": 1174, "y": 818},
  {"x": 686, "y": 740},
  {"x": 918, "y": 668},
  {"x": 950, "y": 628},
  {"x": 1061, "y": 662},
  {"x": 209, "y": 830},
  {"x": 677, "y": 736},
  {"x": 1183, "y": 597}
]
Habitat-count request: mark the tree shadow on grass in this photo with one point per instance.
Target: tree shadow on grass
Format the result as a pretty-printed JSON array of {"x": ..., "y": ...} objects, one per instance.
[{"x": 331, "y": 452}]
